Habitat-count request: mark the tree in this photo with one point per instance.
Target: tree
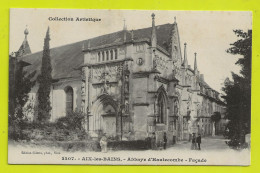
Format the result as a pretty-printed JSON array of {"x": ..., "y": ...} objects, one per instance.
[
  {"x": 238, "y": 92},
  {"x": 20, "y": 84},
  {"x": 45, "y": 80}
]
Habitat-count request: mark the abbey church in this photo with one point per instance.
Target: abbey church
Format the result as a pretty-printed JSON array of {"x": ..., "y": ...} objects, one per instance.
[{"x": 130, "y": 84}]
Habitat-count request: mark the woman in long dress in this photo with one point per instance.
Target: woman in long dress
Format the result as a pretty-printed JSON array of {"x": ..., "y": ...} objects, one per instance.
[{"x": 103, "y": 144}]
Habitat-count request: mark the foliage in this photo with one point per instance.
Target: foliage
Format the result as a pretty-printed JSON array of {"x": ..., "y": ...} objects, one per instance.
[
  {"x": 69, "y": 128},
  {"x": 15, "y": 128},
  {"x": 20, "y": 84},
  {"x": 45, "y": 80},
  {"x": 73, "y": 121},
  {"x": 50, "y": 135},
  {"x": 238, "y": 92},
  {"x": 216, "y": 117}
]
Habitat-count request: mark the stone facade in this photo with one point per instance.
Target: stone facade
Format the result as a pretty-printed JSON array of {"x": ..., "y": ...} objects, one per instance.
[{"x": 138, "y": 86}]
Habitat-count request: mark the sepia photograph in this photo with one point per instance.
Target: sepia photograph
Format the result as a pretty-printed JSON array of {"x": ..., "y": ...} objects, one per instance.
[{"x": 129, "y": 87}]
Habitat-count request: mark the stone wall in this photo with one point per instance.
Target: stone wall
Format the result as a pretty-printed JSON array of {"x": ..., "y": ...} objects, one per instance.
[{"x": 57, "y": 99}]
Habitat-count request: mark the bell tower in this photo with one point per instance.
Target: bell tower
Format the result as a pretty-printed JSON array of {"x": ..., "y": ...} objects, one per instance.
[{"x": 24, "y": 48}]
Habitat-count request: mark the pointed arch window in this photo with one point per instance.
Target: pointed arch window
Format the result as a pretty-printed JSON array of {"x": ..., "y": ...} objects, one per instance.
[
  {"x": 115, "y": 53},
  {"x": 111, "y": 54},
  {"x": 69, "y": 99},
  {"x": 107, "y": 55},
  {"x": 99, "y": 57},
  {"x": 103, "y": 56},
  {"x": 162, "y": 109}
]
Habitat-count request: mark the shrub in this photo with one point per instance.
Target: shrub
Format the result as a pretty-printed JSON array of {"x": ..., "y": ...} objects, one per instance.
[
  {"x": 72, "y": 121},
  {"x": 16, "y": 127},
  {"x": 69, "y": 128}
]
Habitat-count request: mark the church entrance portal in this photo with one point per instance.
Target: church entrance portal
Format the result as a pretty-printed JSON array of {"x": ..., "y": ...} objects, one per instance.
[
  {"x": 109, "y": 125},
  {"x": 104, "y": 117}
]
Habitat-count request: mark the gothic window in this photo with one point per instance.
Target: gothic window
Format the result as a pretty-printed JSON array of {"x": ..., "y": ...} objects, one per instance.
[
  {"x": 103, "y": 56},
  {"x": 115, "y": 53},
  {"x": 107, "y": 55},
  {"x": 209, "y": 108},
  {"x": 111, "y": 54},
  {"x": 161, "y": 109},
  {"x": 175, "y": 124},
  {"x": 151, "y": 128},
  {"x": 98, "y": 56},
  {"x": 198, "y": 110},
  {"x": 185, "y": 124},
  {"x": 69, "y": 99},
  {"x": 171, "y": 126},
  {"x": 139, "y": 48}
]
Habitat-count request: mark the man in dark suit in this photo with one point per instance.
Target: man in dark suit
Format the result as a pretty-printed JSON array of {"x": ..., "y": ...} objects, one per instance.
[{"x": 198, "y": 140}]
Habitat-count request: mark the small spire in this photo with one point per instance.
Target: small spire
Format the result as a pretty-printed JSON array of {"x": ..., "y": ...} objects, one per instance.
[
  {"x": 195, "y": 62},
  {"x": 153, "y": 38},
  {"x": 26, "y": 32},
  {"x": 185, "y": 61},
  {"x": 24, "y": 48},
  {"x": 175, "y": 47},
  {"x": 125, "y": 27},
  {"x": 124, "y": 39},
  {"x": 153, "y": 15},
  {"x": 132, "y": 35},
  {"x": 124, "y": 30}
]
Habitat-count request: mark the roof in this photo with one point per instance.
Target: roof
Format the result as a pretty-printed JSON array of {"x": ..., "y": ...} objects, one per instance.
[
  {"x": 65, "y": 59},
  {"x": 204, "y": 84}
]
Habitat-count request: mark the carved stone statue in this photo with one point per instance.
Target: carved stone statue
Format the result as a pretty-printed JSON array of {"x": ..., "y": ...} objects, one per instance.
[
  {"x": 155, "y": 64},
  {"x": 176, "y": 109}
]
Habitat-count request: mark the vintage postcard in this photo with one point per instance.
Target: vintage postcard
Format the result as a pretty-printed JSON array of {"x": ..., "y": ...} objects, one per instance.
[{"x": 129, "y": 87}]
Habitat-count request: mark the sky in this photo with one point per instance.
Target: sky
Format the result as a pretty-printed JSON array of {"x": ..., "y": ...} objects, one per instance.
[{"x": 209, "y": 33}]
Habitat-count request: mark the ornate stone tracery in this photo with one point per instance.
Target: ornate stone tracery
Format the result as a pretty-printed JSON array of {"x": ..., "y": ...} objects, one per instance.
[
  {"x": 160, "y": 63},
  {"x": 113, "y": 71},
  {"x": 83, "y": 88}
]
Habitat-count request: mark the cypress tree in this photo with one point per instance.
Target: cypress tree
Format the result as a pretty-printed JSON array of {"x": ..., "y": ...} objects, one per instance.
[
  {"x": 238, "y": 92},
  {"x": 45, "y": 80}
]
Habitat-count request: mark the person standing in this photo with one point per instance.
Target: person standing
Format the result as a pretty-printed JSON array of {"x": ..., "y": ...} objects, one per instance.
[
  {"x": 193, "y": 142},
  {"x": 153, "y": 141},
  {"x": 103, "y": 144},
  {"x": 198, "y": 140},
  {"x": 164, "y": 140}
]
